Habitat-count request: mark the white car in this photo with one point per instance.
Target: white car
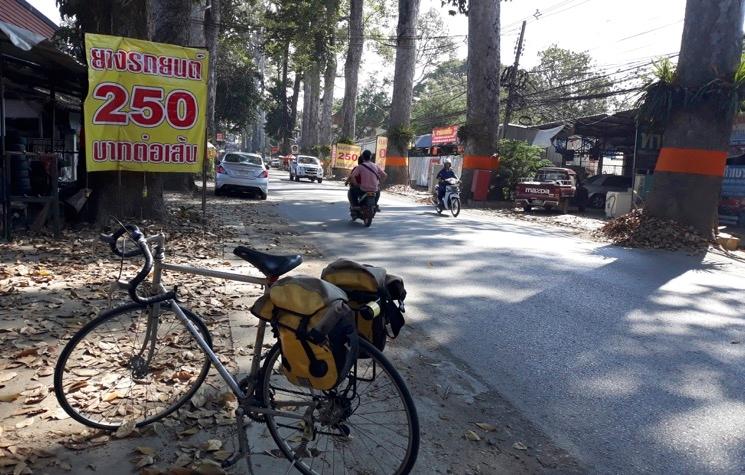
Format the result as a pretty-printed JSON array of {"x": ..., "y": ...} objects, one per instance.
[
  {"x": 239, "y": 171},
  {"x": 305, "y": 166}
]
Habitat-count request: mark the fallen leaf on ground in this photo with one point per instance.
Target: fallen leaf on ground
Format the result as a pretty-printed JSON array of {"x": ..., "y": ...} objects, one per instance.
[
  {"x": 7, "y": 376},
  {"x": 519, "y": 446},
  {"x": 145, "y": 461},
  {"x": 24, "y": 423},
  {"x": 208, "y": 467},
  {"x": 125, "y": 429},
  {"x": 145, "y": 450},
  {"x": 21, "y": 468},
  {"x": 486, "y": 426},
  {"x": 189, "y": 431},
  {"x": 9, "y": 397},
  {"x": 473, "y": 436},
  {"x": 212, "y": 445}
]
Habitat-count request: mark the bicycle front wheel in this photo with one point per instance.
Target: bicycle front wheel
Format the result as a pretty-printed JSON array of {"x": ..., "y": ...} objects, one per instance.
[
  {"x": 368, "y": 424},
  {"x": 132, "y": 364}
]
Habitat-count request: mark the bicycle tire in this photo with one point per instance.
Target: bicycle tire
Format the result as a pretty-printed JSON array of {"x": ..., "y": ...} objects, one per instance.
[
  {"x": 61, "y": 391},
  {"x": 412, "y": 448}
]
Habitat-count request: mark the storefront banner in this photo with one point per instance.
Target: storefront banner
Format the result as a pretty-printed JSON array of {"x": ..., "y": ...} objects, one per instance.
[
  {"x": 345, "y": 156},
  {"x": 146, "y": 105},
  {"x": 381, "y": 150},
  {"x": 444, "y": 135}
]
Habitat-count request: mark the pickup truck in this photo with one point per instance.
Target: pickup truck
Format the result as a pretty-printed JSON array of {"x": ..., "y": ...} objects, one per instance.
[{"x": 552, "y": 188}]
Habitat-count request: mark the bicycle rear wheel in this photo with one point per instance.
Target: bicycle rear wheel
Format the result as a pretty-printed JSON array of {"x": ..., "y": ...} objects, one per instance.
[
  {"x": 127, "y": 366},
  {"x": 373, "y": 429}
]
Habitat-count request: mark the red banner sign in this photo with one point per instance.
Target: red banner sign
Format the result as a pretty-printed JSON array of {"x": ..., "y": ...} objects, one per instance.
[{"x": 442, "y": 135}]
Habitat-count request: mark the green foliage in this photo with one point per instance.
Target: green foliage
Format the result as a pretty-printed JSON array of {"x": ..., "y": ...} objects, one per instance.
[
  {"x": 519, "y": 161},
  {"x": 373, "y": 103},
  {"x": 345, "y": 140},
  {"x": 401, "y": 137},
  {"x": 663, "y": 94},
  {"x": 439, "y": 99},
  {"x": 563, "y": 73}
]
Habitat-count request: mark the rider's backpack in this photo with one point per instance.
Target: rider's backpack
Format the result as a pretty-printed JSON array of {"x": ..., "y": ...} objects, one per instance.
[
  {"x": 315, "y": 329},
  {"x": 374, "y": 295}
]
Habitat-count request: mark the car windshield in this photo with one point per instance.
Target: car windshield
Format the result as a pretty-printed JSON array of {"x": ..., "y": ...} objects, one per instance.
[
  {"x": 243, "y": 158},
  {"x": 593, "y": 179},
  {"x": 552, "y": 176},
  {"x": 307, "y": 160}
]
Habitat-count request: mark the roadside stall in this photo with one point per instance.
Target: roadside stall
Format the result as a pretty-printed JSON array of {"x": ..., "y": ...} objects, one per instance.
[{"x": 40, "y": 119}]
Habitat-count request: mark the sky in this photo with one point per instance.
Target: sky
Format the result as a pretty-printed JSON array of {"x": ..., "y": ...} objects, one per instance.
[
  {"x": 618, "y": 34},
  {"x": 615, "y": 32}
]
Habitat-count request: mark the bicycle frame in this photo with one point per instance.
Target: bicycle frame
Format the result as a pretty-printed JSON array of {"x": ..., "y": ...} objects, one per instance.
[{"x": 244, "y": 398}]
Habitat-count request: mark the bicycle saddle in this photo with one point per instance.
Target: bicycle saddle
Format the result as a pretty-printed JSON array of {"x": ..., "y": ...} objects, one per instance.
[{"x": 269, "y": 265}]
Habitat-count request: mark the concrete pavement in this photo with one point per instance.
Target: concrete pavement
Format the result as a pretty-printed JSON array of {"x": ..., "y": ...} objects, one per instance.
[{"x": 630, "y": 359}]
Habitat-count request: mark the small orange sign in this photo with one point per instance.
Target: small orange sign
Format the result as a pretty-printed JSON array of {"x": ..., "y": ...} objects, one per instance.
[{"x": 444, "y": 135}]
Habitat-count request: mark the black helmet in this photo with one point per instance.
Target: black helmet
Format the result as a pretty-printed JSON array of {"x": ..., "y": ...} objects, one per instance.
[{"x": 366, "y": 156}]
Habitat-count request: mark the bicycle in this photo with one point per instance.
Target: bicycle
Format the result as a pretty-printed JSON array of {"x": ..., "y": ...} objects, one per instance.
[{"x": 138, "y": 345}]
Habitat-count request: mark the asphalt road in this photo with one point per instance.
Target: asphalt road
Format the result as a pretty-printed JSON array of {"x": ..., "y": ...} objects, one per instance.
[{"x": 632, "y": 360}]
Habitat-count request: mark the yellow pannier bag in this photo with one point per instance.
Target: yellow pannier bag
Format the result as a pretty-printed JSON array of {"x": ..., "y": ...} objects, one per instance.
[
  {"x": 366, "y": 288},
  {"x": 315, "y": 329}
]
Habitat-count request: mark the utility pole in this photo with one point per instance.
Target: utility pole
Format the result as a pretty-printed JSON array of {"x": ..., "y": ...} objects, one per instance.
[{"x": 512, "y": 81}]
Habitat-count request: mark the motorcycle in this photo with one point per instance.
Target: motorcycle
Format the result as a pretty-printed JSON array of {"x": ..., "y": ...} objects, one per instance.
[
  {"x": 451, "y": 200},
  {"x": 365, "y": 208}
]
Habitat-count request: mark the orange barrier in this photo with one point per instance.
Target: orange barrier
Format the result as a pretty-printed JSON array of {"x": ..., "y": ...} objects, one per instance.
[
  {"x": 396, "y": 161},
  {"x": 480, "y": 162},
  {"x": 692, "y": 161}
]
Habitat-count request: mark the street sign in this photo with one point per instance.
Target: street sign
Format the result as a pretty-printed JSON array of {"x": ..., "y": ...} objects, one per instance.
[
  {"x": 145, "y": 105},
  {"x": 381, "y": 150},
  {"x": 444, "y": 135},
  {"x": 220, "y": 137},
  {"x": 345, "y": 155},
  {"x": 294, "y": 149}
]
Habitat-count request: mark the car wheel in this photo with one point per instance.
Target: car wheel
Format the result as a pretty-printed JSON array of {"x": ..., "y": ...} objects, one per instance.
[
  {"x": 598, "y": 201},
  {"x": 218, "y": 191},
  {"x": 291, "y": 177},
  {"x": 527, "y": 209},
  {"x": 262, "y": 195},
  {"x": 297, "y": 178},
  {"x": 320, "y": 180}
]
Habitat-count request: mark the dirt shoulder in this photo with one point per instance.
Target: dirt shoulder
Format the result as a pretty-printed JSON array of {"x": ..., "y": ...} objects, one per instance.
[{"x": 48, "y": 289}]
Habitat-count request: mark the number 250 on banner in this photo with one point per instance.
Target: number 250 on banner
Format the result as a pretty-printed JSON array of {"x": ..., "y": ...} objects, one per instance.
[{"x": 146, "y": 104}]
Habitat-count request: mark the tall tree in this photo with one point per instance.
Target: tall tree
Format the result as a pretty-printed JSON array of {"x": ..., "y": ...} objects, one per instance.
[
  {"x": 399, "y": 123},
  {"x": 482, "y": 114},
  {"x": 440, "y": 97},
  {"x": 351, "y": 68},
  {"x": 170, "y": 20},
  {"x": 688, "y": 175},
  {"x": 211, "y": 33},
  {"x": 122, "y": 194},
  {"x": 329, "y": 75}
]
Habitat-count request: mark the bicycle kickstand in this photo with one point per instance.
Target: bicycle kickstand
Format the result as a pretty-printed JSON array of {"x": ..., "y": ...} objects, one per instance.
[{"x": 243, "y": 448}]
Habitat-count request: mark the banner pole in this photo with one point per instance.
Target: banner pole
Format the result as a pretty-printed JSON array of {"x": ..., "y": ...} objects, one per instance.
[{"x": 204, "y": 180}]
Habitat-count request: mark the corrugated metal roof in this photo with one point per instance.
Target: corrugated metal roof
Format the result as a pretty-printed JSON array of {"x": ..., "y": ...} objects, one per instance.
[{"x": 20, "y": 13}]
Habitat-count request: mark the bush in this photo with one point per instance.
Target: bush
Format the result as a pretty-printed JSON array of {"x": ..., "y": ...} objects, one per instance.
[{"x": 518, "y": 162}]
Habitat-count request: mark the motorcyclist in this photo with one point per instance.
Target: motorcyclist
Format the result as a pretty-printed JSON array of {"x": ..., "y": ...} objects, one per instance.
[
  {"x": 366, "y": 176},
  {"x": 443, "y": 175}
]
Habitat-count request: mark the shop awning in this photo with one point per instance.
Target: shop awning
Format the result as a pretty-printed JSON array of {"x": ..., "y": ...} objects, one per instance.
[
  {"x": 31, "y": 60},
  {"x": 423, "y": 141}
]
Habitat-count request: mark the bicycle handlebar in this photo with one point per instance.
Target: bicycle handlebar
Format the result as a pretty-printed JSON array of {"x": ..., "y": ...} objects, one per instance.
[{"x": 142, "y": 248}]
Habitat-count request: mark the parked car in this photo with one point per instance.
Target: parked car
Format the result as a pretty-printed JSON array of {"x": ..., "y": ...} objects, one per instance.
[
  {"x": 239, "y": 171},
  {"x": 274, "y": 162},
  {"x": 305, "y": 166},
  {"x": 598, "y": 185},
  {"x": 552, "y": 188}
]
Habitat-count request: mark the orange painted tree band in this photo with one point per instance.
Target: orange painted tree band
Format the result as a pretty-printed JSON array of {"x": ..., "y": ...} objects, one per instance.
[
  {"x": 692, "y": 161},
  {"x": 480, "y": 162},
  {"x": 396, "y": 161}
]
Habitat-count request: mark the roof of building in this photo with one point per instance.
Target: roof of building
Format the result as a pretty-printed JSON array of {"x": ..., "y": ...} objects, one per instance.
[{"x": 21, "y": 13}]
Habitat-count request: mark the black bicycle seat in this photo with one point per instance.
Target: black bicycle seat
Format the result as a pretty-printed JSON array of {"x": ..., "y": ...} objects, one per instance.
[{"x": 269, "y": 265}]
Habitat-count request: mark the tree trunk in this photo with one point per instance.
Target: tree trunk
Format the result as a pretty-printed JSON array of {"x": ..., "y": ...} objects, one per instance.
[
  {"x": 329, "y": 76},
  {"x": 352, "y": 67},
  {"x": 293, "y": 105},
  {"x": 305, "y": 121},
  {"x": 688, "y": 175},
  {"x": 258, "y": 137},
  {"x": 170, "y": 20},
  {"x": 482, "y": 117},
  {"x": 211, "y": 32},
  {"x": 124, "y": 194},
  {"x": 285, "y": 132},
  {"x": 403, "y": 81},
  {"x": 314, "y": 103}
]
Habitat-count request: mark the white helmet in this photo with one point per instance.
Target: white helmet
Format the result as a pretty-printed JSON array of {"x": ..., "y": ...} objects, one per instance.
[{"x": 447, "y": 161}]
